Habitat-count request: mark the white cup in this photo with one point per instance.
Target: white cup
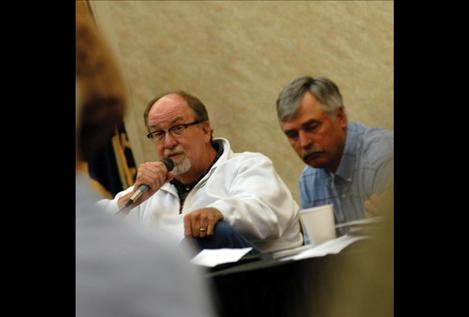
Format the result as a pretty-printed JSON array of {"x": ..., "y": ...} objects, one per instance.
[{"x": 318, "y": 222}]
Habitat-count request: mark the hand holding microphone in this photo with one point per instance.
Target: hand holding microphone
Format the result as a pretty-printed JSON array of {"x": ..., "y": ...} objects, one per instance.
[{"x": 151, "y": 176}]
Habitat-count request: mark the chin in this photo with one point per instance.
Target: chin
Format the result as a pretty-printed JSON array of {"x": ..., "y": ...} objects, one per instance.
[
  {"x": 316, "y": 163},
  {"x": 182, "y": 167}
]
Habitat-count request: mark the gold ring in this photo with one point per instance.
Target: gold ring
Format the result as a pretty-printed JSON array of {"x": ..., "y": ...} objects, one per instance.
[{"x": 202, "y": 229}]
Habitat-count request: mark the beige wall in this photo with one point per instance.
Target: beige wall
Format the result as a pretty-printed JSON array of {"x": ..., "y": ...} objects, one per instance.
[{"x": 237, "y": 56}]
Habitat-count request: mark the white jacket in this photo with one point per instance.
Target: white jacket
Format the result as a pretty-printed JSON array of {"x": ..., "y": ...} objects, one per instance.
[{"x": 244, "y": 187}]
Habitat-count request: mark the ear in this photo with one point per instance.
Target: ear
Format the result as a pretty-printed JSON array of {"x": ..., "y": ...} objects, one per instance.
[
  {"x": 341, "y": 117},
  {"x": 207, "y": 130}
]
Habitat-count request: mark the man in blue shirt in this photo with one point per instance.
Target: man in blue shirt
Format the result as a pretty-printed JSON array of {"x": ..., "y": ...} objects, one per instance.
[{"x": 348, "y": 164}]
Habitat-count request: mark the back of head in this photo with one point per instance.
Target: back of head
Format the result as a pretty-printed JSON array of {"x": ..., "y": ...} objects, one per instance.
[
  {"x": 100, "y": 89},
  {"x": 322, "y": 88},
  {"x": 155, "y": 278}
]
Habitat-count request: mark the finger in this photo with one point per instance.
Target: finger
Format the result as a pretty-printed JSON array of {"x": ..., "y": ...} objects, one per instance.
[
  {"x": 143, "y": 177},
  {"x": 159, "y": 180},
  {"x": 202, "y": 231},
  {"x": 376, "y": 199},
  {"x": 215, "y": 216},
  {"x": 203, "y": 225},
  {"x": 211, "y": 227},
  {"x": 367, "y": 205},
  {"x": 154, "y": 171},
  {"x": 370, "y": 208},
  {"x": 152, "y": 175},
  {"x": 195, "y": 226},
  {"x": 187, "y": 226}
]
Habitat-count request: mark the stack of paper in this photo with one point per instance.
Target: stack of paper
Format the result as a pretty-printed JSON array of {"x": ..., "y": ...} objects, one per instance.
[
  {"x": 213, "y": 257},
  {"x": 329, "y": 247},
  {"x": 360, "y": 223},
  {"x": 361, "y": 227}
]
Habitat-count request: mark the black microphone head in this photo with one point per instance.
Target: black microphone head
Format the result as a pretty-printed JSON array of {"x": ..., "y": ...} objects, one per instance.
[{"x": 169, "y": 163}]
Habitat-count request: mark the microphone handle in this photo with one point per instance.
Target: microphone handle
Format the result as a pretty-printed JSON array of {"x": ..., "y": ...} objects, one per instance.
[{"x": 143, "y": 188}]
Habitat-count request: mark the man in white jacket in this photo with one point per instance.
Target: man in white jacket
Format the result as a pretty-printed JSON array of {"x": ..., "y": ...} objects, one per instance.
[{"x": 218, "y": 197}]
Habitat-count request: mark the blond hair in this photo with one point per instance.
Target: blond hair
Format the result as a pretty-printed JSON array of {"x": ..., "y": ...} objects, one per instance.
[{"x": 101, "y": 95}]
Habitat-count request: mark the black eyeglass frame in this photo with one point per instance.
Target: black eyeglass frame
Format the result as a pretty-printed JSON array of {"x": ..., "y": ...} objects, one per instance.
[{"x": 185, "y": 125}]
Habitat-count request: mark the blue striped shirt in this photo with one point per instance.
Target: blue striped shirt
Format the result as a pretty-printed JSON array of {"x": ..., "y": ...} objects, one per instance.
[{"x": 366, "y": 167}]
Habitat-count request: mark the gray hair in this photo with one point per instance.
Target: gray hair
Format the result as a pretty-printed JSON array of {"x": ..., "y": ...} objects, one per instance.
[{"x": 322, "y": 88}]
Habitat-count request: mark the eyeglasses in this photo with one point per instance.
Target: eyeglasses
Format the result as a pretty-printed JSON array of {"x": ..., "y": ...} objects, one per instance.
[{"x": 158, "y": 136}]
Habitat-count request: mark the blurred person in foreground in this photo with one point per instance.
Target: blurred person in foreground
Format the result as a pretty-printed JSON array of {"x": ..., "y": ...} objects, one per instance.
[
  {"x": 121, "y": 270},
  {"x": 348, "y": 164},
  {"x": 360, "y": 283},
  {"x": 214, "y": 196}
]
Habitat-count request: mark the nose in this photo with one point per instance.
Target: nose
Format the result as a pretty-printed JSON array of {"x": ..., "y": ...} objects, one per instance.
[
  {"x": 305, "y": 141},
  {"x": 169, "y": 141}
]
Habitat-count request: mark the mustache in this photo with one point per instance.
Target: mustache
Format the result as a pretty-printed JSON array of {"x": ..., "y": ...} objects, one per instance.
[
  {"x": 309, "y": 152},
  {"x": 176, "y": 150}
]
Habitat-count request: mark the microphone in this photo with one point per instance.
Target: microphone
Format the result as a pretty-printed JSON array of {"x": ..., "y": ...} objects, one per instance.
[{"x": 169, "y": 163}]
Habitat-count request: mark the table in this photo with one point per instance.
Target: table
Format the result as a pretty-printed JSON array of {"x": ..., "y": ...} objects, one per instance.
[{"x": 261, "y": 286}]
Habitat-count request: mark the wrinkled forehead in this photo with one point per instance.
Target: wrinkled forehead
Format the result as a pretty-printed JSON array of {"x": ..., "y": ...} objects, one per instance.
[
  {"x": 169, "y": 110},
  {"x": 309, "y": 109}
]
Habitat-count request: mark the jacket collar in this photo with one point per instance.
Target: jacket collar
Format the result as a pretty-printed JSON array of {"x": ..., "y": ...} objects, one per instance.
[{"x": 227, "y": 153}]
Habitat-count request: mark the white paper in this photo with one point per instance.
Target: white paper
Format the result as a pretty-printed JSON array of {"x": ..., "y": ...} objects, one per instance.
[
  {"x": 361, "y": 222},
  {"x": 329, "y": 247},
  {"x": 291, "y": 252},
  {"x": 213, "y": 257}
]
